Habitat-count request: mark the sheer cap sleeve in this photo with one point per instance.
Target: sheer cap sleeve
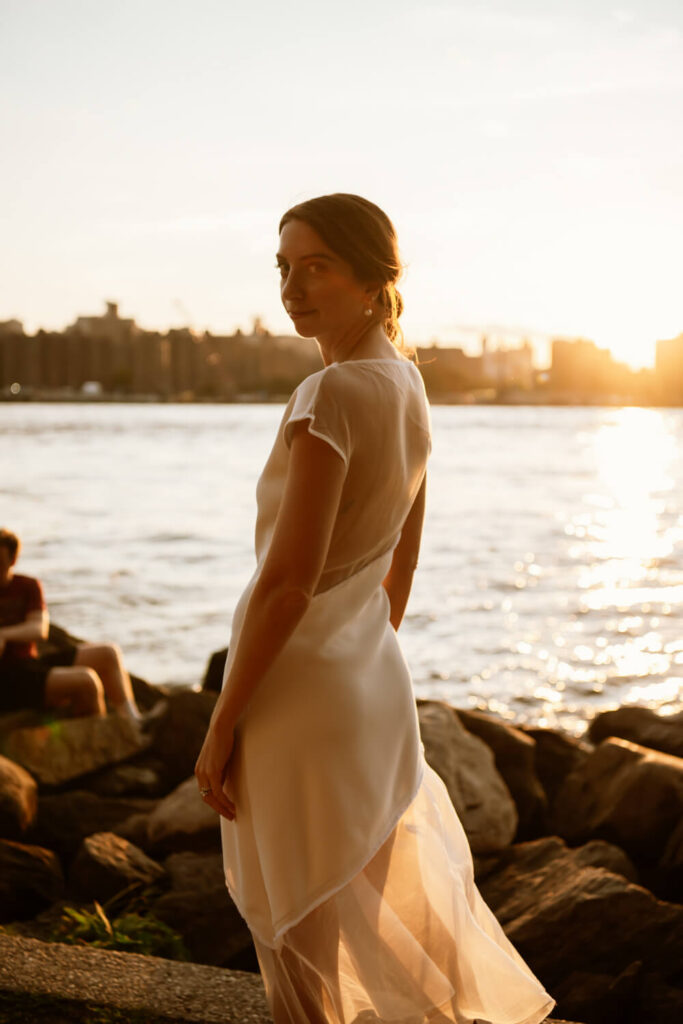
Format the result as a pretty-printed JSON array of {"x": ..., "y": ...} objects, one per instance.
[{"x": 320, "y": 401}]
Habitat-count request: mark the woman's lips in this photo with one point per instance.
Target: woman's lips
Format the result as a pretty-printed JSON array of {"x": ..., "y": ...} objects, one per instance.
[{"x": 296, "y": 314}]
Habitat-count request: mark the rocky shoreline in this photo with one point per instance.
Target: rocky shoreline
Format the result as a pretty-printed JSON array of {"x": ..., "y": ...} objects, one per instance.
[{"x": 578, "y": 844}]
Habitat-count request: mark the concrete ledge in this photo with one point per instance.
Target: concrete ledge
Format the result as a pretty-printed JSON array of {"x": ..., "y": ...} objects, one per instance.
[
  {"x": 59, "y": 984},
  {"x": 52, "y": 983}
]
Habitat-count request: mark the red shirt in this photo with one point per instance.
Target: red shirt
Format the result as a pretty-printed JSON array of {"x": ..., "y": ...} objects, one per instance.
[{"x": 20, "y": 596}]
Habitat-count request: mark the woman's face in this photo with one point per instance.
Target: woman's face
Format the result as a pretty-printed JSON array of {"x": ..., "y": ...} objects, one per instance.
[{"x": 319, "y": 289}]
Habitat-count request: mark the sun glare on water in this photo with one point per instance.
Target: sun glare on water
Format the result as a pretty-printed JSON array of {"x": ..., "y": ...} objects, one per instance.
[{"x": 626, "y": 541}]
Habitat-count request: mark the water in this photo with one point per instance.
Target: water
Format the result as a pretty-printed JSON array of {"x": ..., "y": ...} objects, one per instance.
[{"x": 550, "y": 582}]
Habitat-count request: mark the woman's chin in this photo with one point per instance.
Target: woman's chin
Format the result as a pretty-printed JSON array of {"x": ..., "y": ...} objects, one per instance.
[{"x": 305, "y": 330}]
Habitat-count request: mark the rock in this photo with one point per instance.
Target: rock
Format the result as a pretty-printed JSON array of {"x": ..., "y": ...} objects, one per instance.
[
  {"x": 564, "y": 917},
  {"x": 53, "y": 983},
  {"x": 515, "y": 755},
  {"x": 12, "y": 720},
  {"x": 182, "y": 821},
  {"x": 670, "y": 867},
  {"x": 146, "y": 695},
  {"x": 642, "y": 726},
  {"x": 600, "y": 998},
  {"x": 106, "y": 864},
  {"x": 626, "y": 794},
  {"x": 65, "y": 819},
  {"x": 66, "y": 748},
  {"x": 599, "y": 854},
  {"x": 199, "y": 907},
  {"x": 594, "y": 854},
  {"x": 664, "y": 1001},
  {"x": 139, "y": 778},
  {"x": 213, "y": 677},
  {"x": 18, "y": 799},
  {"x": 556, "y": 755},
  {"x": 30, "y": 879},
  {"x": 180, "y": 732},
  {"x": 466, "y": 765}
]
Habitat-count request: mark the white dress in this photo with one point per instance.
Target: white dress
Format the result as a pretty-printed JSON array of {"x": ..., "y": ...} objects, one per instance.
[{"x": 347, "y": 859}]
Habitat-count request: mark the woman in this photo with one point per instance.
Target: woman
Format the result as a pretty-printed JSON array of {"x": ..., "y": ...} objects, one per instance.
[{"x": 342, "y": 849}]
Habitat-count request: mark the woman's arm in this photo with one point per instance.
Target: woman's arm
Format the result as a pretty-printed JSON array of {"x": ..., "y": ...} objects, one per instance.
[
  {"x": 281, "y": 594},
  {"x": 399, "y": 579}
]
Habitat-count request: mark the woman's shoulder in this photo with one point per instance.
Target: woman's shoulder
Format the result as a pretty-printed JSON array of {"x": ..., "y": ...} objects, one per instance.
[{"x": 343, "y": 381}]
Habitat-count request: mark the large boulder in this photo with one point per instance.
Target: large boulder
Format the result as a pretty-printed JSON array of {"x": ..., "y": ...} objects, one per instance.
[
  {"x": 600, "y": 998},
  {"x": 515, "y": 754},
  {"x": 199, "y": 907},
  {"x": 18, "y": 799},
  {"x": 626, "y": 794},
  {"x": 599, "y": 854},
  {"x": 181, "y": 821},
  {"x": 534, "y": 855},
  {"x": 556, "y": 755},
  {"x": 106, "y": 864},
  {"x": 664, "y": 1001},
  {"x": 179, "y": 733},
  {"x": 566, "y": 918},
  {"x": 466, "y": 766},
  {"x": 642, "y": 726},
  {"x": 65, "y": 819},
  {"x": 66, "y": 748},
  {"x": 30, "y": 879},
  {"x": 666, "y": 878}
]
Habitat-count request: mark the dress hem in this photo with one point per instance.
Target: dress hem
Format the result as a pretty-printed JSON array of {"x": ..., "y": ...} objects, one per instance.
[{"x": 328, "y": 893}]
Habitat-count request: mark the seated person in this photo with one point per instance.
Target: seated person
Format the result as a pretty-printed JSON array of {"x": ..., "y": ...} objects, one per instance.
[{"x": 79, "y": 680}]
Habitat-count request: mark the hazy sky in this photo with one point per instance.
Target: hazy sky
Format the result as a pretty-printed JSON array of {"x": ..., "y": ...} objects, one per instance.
[{"x": 530, "y": 154}]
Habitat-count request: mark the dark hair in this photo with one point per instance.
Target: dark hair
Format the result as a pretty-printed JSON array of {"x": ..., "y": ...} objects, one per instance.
[
  {"x": 363, "y": 235},
  {"x": 10, "y": 541}
]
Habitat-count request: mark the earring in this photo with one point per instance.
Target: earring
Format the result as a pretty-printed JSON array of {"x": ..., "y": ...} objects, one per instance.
[{"x": 368, "y": 311}]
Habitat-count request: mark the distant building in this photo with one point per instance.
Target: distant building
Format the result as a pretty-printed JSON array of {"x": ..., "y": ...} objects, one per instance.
[
  {"x": 184, "y": 361},
  {"x": 579, "y": 367},
  {"x": 669, "y": 369},
  {"x": 110, "y": 325},
  {"x": 506, "y": 367},
  {"x": 448, "y": 371},
  {"x": 9, "y": 328}
]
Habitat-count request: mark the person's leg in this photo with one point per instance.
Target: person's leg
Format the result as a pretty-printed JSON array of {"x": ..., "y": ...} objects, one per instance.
[
  {"x": 78, "y": 689},
  {"x": 107, "y": 662}
]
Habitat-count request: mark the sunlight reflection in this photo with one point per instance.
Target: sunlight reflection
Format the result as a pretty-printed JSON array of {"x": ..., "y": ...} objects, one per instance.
[
  {"x": 624, "y": 536},
  {"x": 621, "y": 597},
  {"x": 655, "y": 694}
]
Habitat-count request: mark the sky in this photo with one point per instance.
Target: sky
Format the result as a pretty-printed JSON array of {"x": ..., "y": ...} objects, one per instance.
[{"x": 529, "y": 153}]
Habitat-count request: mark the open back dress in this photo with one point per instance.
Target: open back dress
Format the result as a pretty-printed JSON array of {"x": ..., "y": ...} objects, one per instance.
[{"x": 347, "y": 859}]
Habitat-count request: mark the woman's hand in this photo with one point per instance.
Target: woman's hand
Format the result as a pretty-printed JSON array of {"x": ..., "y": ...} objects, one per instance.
[{"x": 212, "y": 767}]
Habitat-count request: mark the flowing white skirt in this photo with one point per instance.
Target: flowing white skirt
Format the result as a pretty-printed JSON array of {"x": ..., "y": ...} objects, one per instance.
[
  {"x": 408, "y": 940},
  {"x": 347, "y": 858}
]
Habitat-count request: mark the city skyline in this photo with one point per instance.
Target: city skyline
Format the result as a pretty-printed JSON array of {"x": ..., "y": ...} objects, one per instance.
[
  {"x": 525, "y": 151},
  {"x": 114, "y": 358},
  {"x": 470, "y": 338}
]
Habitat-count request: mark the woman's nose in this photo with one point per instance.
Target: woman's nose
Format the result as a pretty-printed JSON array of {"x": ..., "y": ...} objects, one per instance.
[{"x": 292, "y": 286}]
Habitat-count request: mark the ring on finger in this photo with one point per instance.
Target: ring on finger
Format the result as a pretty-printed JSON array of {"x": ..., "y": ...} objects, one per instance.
[{"x": 204, "y": 790}]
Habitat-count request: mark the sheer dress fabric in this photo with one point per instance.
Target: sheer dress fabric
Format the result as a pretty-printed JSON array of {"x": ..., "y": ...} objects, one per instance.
[{"x": 347, "y": 859}]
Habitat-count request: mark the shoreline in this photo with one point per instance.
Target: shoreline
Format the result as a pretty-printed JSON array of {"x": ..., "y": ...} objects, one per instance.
[
  {"x": 466, "y": 399},
  {"x": 577, "y": 848}
]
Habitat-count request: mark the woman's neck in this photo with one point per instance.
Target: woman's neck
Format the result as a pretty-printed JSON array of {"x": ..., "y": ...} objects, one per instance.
[{"x": 372, "y": 343}]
